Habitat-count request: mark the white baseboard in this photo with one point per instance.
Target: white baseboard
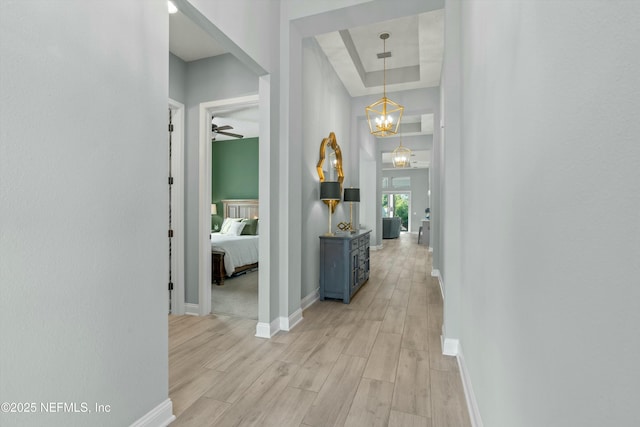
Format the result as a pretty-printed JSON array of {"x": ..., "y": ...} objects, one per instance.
[
  {"x": 472, "y": 403},
  {"x": 310, "y": 299},
  {"x": 450, "y": 346},
  {"x": 436, "y": 273},
  {"x": 267, "y": 330},
  {"x": 375, "y": 248},
  {"x": 192, "y": 309},
  {"x": 288, "y": 323},
  {"x": 160, "y": 416},
  {"x": 430, "y": 249}
]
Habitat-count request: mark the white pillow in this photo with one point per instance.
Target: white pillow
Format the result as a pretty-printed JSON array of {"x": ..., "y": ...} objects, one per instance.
[
  {"x": 224, "y": 229},
  {"x": 236, "y": 228}
]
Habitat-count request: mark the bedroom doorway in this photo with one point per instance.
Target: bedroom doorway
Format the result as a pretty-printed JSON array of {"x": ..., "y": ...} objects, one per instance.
[
  {"x": 175, "y": 147},
  {"x": 209, "y": 110},
  {"x": 198, "y": 162}
]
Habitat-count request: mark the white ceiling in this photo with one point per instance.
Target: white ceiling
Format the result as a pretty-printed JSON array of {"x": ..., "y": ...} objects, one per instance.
[
  {"x": 188, "y": 41},
  {"x": 416, "y": 45},
  {"x": 243, "y": 120}
]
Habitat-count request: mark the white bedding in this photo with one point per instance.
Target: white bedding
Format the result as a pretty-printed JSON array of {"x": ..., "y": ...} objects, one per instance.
[{"x": 239, "y": 250}]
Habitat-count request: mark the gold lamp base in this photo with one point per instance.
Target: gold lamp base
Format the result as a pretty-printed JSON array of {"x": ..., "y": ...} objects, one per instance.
[{"x": 329, "y": 233}]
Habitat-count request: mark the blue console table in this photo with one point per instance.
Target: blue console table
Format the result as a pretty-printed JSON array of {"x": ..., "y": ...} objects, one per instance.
[{"x": 344, "y": 264}]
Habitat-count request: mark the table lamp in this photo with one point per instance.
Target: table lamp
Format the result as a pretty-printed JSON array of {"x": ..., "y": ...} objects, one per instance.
[
  {"x": 351, "y": 195},
  {"x": 329, "y": 190}
]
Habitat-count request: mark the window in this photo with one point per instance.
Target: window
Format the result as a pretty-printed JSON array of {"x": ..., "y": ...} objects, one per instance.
[{"x": 401, "y": 182}]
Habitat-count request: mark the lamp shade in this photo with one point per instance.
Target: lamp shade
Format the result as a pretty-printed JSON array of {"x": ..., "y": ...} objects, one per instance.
[
  {"x": 330, "y": 190},
  {"x": 214, "y": 209},
  {"x": 351, "y": 194}
]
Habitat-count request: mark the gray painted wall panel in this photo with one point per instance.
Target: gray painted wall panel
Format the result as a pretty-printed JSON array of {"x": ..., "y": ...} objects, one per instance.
[
  {"x": 551, "y": 185},
  {"x": 326, "y": 108},
  {"x": 177, "y": 79},
  {"x": 83, "y": 247}
]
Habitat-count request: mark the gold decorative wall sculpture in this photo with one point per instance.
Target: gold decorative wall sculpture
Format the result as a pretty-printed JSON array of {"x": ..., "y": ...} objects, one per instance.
[{"x": 333, "y": 169}]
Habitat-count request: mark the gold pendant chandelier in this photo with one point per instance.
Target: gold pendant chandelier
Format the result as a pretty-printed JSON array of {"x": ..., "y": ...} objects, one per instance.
[
  {"x": 401, "y": 156},
  {"x": 384, "y": 115}
]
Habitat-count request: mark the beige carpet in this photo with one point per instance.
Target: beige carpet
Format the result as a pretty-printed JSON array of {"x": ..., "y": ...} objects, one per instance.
[{"x": 238, "y": 296}]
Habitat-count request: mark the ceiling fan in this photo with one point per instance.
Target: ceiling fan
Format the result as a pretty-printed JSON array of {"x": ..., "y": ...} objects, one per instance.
[{"x": 221, "y": 130}]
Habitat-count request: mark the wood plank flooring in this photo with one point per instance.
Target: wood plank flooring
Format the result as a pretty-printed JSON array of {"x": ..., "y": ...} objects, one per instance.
[{"x": 374, "y": 362}]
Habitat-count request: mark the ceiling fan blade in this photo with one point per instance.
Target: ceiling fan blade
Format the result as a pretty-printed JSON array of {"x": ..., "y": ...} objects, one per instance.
[
  {"x": 235, "y": 135},
  {"x": 225, "y": 127}
]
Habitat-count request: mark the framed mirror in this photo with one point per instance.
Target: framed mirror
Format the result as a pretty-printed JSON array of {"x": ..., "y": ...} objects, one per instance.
[{"x": 330, "y": 165}]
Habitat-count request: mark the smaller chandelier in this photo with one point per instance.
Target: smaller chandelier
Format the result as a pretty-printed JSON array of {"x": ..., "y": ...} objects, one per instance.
[
  {"x": 401, "y": 156},
  {"x": 384, "y": 115}
]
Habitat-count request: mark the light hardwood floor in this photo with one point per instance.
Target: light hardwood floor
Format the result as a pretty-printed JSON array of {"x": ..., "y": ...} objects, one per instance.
[{"x": 374, "y": 362}]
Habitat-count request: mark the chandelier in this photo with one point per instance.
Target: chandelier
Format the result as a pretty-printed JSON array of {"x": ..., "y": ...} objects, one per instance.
[
  {"x": 384, "y": 115},
  {"x": 401, "y": 156}
]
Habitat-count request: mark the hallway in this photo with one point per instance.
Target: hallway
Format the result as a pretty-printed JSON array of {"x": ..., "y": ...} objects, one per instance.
[{"x": 374, "y": 362}]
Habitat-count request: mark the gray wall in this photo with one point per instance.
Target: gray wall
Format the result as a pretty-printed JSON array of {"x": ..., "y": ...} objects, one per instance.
[
  {"x": 326, "y": 108},
  {"x": 177, "y": 79},
  {"x": 209, "y": 79},
  {"x": 551, "y": 195},
  {"x": 83, "y": 247},
  {"x": 447, "y": 217}
]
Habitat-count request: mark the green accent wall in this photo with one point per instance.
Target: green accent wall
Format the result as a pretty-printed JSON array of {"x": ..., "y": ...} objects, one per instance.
[{"x": 234, "y": 172}]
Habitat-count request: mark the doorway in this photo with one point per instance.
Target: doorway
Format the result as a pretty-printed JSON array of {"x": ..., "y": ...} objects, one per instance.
[
  {"x": 397, "y": 203},
  {"x": 202, "y": 195},
  {"x": 207, "y": 112}
]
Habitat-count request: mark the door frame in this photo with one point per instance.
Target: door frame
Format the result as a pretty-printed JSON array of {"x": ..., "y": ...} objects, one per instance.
[
  {"x": 177, "y": 203},
  {"x": 207, "y": 110}
]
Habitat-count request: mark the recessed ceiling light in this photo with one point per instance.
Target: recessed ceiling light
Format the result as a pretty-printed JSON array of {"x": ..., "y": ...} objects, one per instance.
[{"x": 172, "y": 7}]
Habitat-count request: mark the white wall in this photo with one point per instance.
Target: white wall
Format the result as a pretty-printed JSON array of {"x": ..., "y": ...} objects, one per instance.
[
  {"x": 249, "y": 28},
  {"x": 326, "y": 107},
  {"x": 369, "y": 208},
  {"x": 551, "y": 195},
  {"x": 300, "y": 9},
  {"x": 83, "y": 201},
  {"x": 370, "y": 172}
]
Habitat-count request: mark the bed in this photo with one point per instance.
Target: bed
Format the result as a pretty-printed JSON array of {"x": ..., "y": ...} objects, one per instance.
[{"x": 232, "y": 254}]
